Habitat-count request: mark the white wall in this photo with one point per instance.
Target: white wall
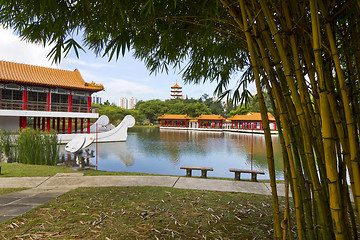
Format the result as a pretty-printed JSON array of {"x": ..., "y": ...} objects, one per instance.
[{"x": 10, "y": 123}]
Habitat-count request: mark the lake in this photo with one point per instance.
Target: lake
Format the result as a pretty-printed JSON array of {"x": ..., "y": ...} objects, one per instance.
[{"x": 163, "y": 151}]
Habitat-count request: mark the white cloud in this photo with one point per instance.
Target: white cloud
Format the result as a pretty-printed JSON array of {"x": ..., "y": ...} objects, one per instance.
[{"x": 13, "y": 49}]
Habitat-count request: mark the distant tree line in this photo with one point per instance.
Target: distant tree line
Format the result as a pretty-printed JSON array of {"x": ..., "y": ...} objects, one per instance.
[{"x": 146, "y": 112}]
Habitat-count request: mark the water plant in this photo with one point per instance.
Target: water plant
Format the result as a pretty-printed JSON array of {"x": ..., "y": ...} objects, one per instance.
[
  {"x": 36, "y": 147},
  {"x": 6, "y": 143},
  {"x": 30, "y": 146}
]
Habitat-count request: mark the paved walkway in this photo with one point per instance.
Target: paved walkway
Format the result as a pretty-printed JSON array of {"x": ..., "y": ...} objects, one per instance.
[{"x": 43, "y": 189}]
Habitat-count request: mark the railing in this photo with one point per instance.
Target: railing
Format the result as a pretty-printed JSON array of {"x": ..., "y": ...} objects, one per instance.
[{"x": 19, "y": 105}]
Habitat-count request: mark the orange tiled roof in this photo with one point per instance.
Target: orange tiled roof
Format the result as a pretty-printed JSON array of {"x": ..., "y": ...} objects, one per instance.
[
  {"x": 210, "y": 117},
  {"x": 35, "y": 75},
  {"x": 175, "y": 117},
  {"x": 176, "y": 86},
  {"x": 250, "y": 116}
]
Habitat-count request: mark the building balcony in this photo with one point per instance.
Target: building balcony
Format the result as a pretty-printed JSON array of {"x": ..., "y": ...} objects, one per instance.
[{"x": 31, "y": 106}]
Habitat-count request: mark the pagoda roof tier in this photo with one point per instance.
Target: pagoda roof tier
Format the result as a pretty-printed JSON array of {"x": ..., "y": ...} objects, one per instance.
[
  {"x": 210, "y": 117},
  {"x": 251, "y": 116},
  {"x": 24, "y": 74},
  {"x": 175, "y": 117},
  {"x": 176, "y": 86}
]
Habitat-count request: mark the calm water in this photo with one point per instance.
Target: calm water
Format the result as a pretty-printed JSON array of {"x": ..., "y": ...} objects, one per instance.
[{"x": 151, "y": 150}]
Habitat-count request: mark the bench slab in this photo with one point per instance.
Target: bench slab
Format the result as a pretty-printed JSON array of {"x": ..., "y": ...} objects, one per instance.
[
  {"x": 203, "y": 170},
  {"x": 239, "y": 171}
]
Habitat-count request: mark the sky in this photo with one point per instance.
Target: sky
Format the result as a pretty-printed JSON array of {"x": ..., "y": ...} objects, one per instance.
[{"x": 123, "y": 78}]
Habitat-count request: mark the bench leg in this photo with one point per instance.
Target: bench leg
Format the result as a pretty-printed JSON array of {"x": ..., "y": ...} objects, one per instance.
[
  {"x": 203, "y": 173},
  {"x": 253, "y": 177},
  {"x": 188, "y": 172},
  {"x": 237, "y": 176}
]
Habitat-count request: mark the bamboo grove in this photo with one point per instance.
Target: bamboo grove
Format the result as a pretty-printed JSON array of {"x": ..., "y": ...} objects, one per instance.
[{"x": 304, "y": 53}]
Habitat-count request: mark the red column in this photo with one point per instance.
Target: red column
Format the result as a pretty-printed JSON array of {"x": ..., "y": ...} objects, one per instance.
[
  {"x": 38, "y": 122},
  {"x": 69, "y": 125},
  {"x": 173, "y": 123},
  {"x": 88, "y": 125},
  {"x": 89, "y": 104},
  {"x": 48, "y": 124},
  {"x": 81, "y": 125},
  {"x": 179, "y": 123},
  {"x": 48, "y": 101},
  {"x": 35, "y": 119},
  {"x": 275, "y": 126},
  {"x": 185, "y": 124},
  {"x": 63, "y": 126},
  {"x": 75, "y": 125},
  {"x": 161, "y": 122},
  {"x": 70, "y": 103},
  {"x": 232, "y": 125},
  {"x": 25, "y": 100},
  {"x": 206, "y": 124},
  {"x": 260, "y": 126},
  {"x": 58, "y": 124},
  {"x": 167, "y": 124}
]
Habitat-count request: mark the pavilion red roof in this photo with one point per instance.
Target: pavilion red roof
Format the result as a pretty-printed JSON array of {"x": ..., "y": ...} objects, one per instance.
[{"x": 251, "y": 116}]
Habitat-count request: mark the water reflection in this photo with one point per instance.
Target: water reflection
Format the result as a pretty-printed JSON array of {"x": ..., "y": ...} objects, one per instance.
[{"x": 151, "y": 150}]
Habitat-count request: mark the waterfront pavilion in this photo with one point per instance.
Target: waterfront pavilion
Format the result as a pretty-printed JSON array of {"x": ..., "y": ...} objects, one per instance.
[
  {"x": 210, "y": 121},
  {"x": 172, "y": 120},
  {"x": 251, "y": 121}
]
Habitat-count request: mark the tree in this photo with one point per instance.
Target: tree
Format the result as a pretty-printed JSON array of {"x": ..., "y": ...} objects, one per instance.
[{"x": 304, "y": 54}]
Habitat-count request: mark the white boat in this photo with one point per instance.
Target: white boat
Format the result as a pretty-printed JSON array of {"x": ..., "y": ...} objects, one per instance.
[{"x": 117, "y": 134}]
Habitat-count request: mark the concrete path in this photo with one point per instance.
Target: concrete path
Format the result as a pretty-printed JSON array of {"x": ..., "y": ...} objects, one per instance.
[{"x": 43, "y": 189}]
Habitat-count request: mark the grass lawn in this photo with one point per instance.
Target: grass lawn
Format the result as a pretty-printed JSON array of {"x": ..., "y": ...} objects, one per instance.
[
  {"x": 145, "y": 212},
  {"x": 4, "y": 191},
  {"x": 27, "y": 170}
]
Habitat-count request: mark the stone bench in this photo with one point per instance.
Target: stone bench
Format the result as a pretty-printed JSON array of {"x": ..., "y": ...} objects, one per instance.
[
  {"x": 239, "y": 171},
  {"x": 203, "y": 170}
]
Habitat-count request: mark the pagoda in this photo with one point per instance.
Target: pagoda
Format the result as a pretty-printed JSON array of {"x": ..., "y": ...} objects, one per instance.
[{"x": 176, "y": 92}]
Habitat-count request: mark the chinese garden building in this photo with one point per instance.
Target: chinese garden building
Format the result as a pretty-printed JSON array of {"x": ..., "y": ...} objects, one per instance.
[
  {"x": 45, "y": 98},
  {"x": 172, "y": 120}
]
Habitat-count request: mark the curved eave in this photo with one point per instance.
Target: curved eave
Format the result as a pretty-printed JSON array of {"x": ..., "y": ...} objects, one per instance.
[{"x": 89, "y": 89}]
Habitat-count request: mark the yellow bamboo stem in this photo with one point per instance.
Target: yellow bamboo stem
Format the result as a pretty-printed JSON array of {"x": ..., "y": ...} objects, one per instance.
[
  {"x": 264, "y": 116},
  {"x": 328, "y": 138}
]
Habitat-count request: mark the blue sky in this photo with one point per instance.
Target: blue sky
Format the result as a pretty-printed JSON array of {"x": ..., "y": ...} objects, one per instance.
[{"x": 127, "y": 77}]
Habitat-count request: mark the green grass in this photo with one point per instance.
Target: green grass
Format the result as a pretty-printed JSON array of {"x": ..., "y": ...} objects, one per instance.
[
  {"x": 146, "y": 213},
  {"x": 4, "y": 191},
  {"x": 28, "y": 170}
]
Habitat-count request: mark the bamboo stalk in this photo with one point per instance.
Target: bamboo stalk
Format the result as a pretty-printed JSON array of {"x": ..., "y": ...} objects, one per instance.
[{"x": 265, "y": 122}]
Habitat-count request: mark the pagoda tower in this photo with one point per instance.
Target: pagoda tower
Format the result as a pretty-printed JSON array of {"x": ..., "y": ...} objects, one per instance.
[{"x": 176, "y": 92}]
